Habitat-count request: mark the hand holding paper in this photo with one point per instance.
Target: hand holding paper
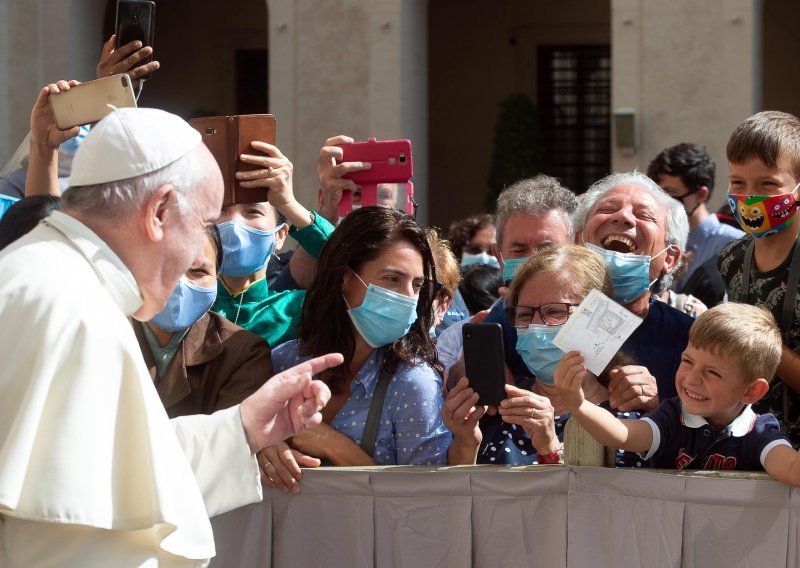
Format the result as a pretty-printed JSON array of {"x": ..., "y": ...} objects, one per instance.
[{"x": 597, "y": 329}]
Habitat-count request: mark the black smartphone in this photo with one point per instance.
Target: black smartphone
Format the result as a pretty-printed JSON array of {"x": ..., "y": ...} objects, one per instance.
[
  {"x": 136, "y": 19},
  {"x": 484, "y": 361}
]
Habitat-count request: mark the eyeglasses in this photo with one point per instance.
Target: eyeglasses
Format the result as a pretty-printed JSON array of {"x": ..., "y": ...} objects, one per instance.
[{"x": 551, "y": 314}]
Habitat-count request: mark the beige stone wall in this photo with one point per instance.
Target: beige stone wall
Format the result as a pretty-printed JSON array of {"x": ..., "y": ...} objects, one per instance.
[
  {"x": 42, "y": 41},
  {"x": 340, "y": 67},
  {"x": 690, "y": 69},
  {"x": 432, "y": 71}
]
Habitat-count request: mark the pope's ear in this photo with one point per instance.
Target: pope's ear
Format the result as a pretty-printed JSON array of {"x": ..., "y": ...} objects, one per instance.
[{"x": 158, "y": 211}]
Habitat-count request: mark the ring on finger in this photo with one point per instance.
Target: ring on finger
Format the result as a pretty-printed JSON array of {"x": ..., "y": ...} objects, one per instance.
[
  {"x": 643, "y": 391},
  {"x": 532, "y": 412},
  {"x": 269, "y": 171}
]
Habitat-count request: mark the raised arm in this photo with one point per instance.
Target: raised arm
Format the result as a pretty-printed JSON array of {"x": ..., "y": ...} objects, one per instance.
[
  {"x": 331, "y": 171},
  {"x": 629, "y": 435},
  {"x": 45, "y": 139}
]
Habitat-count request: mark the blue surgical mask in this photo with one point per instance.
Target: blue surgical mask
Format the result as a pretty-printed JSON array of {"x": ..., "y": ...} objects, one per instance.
[
  {"x": 629, "y": 273},
  {"x": 510, "y": 267},
  {"x": 71, "y": 146},
  {"x": 187, "y": 304},
  {"x": 245, "y": 250},
  {"x": 535, "y": 346},
  {"x": 384, "y": 316},
  {"x": 468, "y": 259}
]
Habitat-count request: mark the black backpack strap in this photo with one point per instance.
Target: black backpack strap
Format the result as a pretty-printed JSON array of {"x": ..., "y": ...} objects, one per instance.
[{"x": 375, "y": 410}]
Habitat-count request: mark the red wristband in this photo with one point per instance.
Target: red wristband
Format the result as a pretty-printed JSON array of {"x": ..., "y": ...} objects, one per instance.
[{"x": 553, "y": 458}]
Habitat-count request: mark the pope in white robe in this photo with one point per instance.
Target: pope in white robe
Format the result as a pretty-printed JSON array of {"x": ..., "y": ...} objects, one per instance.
[{"x": 92, "y": 472}]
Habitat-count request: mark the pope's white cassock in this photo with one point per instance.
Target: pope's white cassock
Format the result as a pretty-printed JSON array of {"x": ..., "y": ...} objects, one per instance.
[{"x": 92, "y": 472}]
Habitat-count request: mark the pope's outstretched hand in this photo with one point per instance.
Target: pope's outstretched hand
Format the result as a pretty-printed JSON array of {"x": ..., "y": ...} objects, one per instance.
[{"x": 287, "y": 403}]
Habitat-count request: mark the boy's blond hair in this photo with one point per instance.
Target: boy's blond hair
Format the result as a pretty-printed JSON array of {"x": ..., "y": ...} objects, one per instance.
[
  {"x": 771, "y": 136},
  {"x": 741, "y": 332}
]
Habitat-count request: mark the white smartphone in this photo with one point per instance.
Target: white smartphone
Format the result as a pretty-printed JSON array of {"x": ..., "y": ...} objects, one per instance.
[{"x": 89, "y": 102}]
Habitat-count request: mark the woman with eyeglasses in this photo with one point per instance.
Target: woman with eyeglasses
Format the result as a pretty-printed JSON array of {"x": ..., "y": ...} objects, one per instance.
[
  {"x": 371, "y": 300},
  {"x": 528, "y": 426}
]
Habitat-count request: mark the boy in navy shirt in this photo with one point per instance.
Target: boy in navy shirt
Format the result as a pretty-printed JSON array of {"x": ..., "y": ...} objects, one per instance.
[{"x": 732, "y": 355}]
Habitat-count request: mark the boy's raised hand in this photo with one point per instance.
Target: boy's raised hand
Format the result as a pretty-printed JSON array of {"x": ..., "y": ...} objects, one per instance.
[{"x": 569, "y": 376}]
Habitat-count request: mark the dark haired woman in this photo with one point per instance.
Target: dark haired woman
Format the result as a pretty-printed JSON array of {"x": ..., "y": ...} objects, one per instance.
[{"x": 371, "y": 301}]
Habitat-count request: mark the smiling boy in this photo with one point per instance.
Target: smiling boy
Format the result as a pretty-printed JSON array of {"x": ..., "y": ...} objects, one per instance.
[
  {"x": 733, "y": 352},
  {"x": 764, "y": 170}
]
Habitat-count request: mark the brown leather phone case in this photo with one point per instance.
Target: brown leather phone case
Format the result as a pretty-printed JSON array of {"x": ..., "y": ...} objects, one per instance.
[{"x": 230, "y": 136}]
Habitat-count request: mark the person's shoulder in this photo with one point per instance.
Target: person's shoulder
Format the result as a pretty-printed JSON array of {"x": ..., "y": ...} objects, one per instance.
[
  {"x": 496, "y": 313},
  {"x": 728, "y": 232},
  {"x": 416, "y": 373},
  {"x": 229, "y": 332},
  {"x": 287, "y": 355},
  {"x": 766, "y": 422},
  {"x": 735, "y": 247},
  {"x": 668, "y": 409},
  {"x": 667, "y": 315}
]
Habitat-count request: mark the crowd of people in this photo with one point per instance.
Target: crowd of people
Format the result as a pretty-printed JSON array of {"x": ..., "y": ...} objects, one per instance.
[{"x": 161, "y": 362}]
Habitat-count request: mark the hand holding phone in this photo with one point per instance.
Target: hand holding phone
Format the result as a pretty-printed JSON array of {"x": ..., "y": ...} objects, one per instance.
[
  {"x": 89, "y": 102},
  {"x": 228, "y": 137},
  {"x": 136, "y": 21},
  {"x": 44, "y": 131},
  {"x": 484, "y": 361},
  {"x": 127, "y": 59},
  {"x": 391, "y": 165}
]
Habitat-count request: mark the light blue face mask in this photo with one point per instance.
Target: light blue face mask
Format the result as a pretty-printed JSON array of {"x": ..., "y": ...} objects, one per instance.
[
  {"x": 535, "y": 346},
  {"x": 468, "y": 259},
  {"x": 71, "y": 146},
  {"x": 185, "y": 306},
  {"x": 629, "y": 273},
  {"x": 510, "y": 267},
  {"x": 245, "y": 250},
  {"x": 384, "y": 316}
]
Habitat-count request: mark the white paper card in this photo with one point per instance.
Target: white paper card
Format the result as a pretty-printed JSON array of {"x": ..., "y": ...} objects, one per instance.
[{"x": 597, "y": 328}]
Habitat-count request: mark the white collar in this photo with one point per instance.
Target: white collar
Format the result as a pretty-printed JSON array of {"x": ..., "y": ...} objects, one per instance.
[
  {"x": 741, "y": 425},
  {"x": 110, "y": 270}
]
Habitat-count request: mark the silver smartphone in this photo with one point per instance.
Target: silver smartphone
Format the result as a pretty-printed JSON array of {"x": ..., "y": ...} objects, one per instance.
[{"x": 89, "y": 102}]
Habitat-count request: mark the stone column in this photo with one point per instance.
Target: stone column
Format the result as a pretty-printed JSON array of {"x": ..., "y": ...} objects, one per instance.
[{"x": 348, "y": 67}]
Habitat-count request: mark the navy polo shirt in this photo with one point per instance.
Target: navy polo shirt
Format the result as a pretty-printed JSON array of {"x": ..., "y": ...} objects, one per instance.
[
  {"x": 656, "y": 344},
  {"x": 659, "y": 343},
  {"x": 686, "y": 441}
]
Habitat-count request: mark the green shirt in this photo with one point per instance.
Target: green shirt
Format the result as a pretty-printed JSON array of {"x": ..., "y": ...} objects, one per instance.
[{"x": 272, "y": 315}]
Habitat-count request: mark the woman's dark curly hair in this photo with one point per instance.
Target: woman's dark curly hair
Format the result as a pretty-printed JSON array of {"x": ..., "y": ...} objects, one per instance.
[
  {"x": 325, "y": 326},
  {"x": 461, "y": 232}
]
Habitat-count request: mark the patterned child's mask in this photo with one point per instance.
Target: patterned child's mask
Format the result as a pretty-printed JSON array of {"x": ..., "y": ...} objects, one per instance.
[{"x": 764, "y": 215}]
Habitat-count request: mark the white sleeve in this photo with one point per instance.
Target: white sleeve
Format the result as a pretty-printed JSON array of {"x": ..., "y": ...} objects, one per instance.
[
  {"x": 656, "y": 440},
  {"x": 768, "y": 448},
  {"x": 216, "y": 448}
]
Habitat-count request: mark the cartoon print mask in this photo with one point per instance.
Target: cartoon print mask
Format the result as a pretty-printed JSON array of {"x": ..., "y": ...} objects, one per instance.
[{"x": 763, "y": 215}]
